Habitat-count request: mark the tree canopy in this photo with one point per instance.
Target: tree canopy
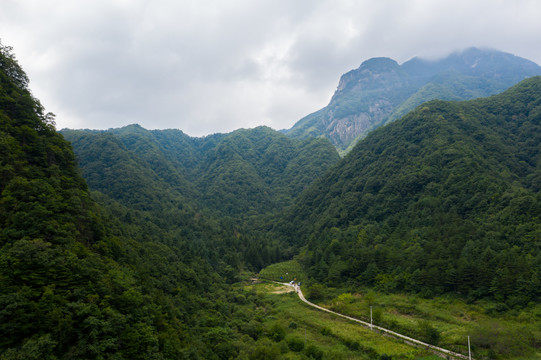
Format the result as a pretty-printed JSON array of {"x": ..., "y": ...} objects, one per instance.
[{"x": 444, "y": 200}]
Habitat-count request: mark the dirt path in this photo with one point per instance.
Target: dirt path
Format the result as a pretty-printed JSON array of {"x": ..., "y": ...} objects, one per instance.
[{"x": 283, "y": 290}]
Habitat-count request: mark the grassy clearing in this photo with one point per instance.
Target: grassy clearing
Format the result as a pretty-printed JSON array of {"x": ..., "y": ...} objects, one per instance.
[
  {"x": 284, "y": 272},
  {"x": 496, "y": 332},
  {"x": 447, "y": 322},
  {"x": 327, "y": 336}
]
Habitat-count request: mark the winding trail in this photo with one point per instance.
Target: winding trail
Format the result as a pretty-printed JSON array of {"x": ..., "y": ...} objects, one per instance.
[{"x": 446, "y": 354}]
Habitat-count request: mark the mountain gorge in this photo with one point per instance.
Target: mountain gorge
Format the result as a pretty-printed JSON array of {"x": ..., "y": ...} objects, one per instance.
[{"x": 381, "y": 90}]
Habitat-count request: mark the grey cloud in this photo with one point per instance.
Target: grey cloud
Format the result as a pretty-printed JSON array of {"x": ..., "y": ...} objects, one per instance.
[{"x": 214, "y": 66}]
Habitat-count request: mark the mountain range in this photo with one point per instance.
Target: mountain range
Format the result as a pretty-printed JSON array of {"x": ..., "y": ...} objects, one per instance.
[
  {"x": 240, "y": 174},
  {"x": 446, "y": 199},
  {"x": 131, "y": 243},
  {"x": 381, "y": 90}
]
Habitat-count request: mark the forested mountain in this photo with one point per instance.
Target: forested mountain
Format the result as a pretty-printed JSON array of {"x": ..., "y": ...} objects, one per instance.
[
  {"x": 244, "y": 173},
  {"x": 446, "y": 199},
  {"x": 381, "y": 90},
  {"x": 145, "y": 276},
  {"x": 139, "y": 263}
]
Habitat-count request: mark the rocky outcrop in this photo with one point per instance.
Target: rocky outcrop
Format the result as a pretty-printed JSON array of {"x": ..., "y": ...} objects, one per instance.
[{"x": 381, "y": 90}]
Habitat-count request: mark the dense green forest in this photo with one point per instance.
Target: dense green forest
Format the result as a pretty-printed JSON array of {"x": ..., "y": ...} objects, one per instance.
[
  {"x": 135, "y": 244},
  {"x": 241, "y": 174},
  {"x": 445, "y": 200},
  {"x": 216, "y": 192},
  {"x": 143, "y": 275}
]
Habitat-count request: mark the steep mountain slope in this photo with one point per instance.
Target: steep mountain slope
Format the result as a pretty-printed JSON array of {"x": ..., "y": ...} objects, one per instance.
[
  {"x": 59, "y": 297},
  {"x": 446, "y": 199},
  {"x": 246, "y": 172},
  {"x": 138, "y": 181},
  {"x": 139, "y": 280},
  {"x": 260, "y": 170},
  {"x": 380, "y": 90}
]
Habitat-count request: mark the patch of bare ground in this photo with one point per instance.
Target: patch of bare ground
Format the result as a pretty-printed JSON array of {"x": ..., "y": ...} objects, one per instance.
[{"x": 282, "y": 290}]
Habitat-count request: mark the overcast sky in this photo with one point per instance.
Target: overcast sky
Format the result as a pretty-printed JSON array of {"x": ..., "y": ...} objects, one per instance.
[{"x": 206, "y": 66}]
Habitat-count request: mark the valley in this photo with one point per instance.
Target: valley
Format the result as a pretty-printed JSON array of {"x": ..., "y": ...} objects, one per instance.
[
  {"x": 131, "y": 243},
  {"x": 446, "y": 321}
]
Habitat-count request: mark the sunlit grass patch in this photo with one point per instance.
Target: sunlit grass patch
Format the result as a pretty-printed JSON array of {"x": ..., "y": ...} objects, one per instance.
[
  {"x": 448, "y": 321},
  {"x": 284, "y": 272},
  {"x": 336, "y": 337}
]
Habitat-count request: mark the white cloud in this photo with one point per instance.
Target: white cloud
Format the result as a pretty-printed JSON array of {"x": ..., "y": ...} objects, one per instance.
[{"x": 214, "y": 66}]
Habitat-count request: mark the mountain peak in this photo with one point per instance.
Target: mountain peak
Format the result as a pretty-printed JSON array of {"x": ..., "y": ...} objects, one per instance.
[
  {"x": 375, "y": 68},
  {"x": 379, "y": 63},
  {"x": 380, "y": 90}
]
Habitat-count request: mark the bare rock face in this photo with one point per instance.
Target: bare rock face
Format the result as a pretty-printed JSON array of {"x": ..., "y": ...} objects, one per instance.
[
  {"x": 381, "y": 90},
  {"x": 347, "y": 129},
  {"x": 365, "y": 97}
]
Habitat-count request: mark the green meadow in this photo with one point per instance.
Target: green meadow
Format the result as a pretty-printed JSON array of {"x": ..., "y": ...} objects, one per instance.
[
  {"x": 495, "y": 332},
  {"x": 297, "y": 331}
]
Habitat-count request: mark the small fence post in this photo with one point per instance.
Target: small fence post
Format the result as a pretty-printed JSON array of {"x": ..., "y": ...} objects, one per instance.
[{"x": 469, "y": 349}]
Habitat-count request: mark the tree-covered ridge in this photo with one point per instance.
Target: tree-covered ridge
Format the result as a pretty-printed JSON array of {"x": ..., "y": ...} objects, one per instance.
[
  {"x": 246, "y": 172},
  {"x": 207, "y": 194},
  {"x": 81, "y": 281},
  {"x": 444, "y": 200},
  {"x": 111, "y": 168},
  {"x": 447, "y": 199},
  {"x": 381, "y": 90},
  {"x": 48, "y": 223}
]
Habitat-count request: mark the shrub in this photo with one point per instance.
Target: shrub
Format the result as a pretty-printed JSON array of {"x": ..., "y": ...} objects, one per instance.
[
  {"x": 314, "y": 352},
  {"x": 352, "y": 345},
  {"x": 292, "y": 325},
  {"x": 277, "y": 332},
  {"x": 317, "y": 292},
  {"x": 266, "y": 350},
  {"x": 295, "y": 344},
  {"x": 429, "y": 333},
  {"x": 326, "y": 331}
]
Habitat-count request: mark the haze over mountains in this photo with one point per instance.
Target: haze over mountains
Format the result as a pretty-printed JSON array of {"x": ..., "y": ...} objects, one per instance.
[{"x": 381, "y": 90}]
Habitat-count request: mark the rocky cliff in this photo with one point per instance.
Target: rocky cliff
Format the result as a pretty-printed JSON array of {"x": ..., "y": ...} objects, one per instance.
[{"x": 381, "y": 90}]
